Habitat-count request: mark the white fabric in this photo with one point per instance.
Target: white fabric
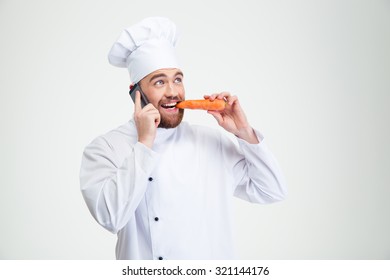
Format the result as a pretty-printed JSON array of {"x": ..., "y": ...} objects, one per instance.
[
  {"x": 145, "y": 47},
  {"x": 195, "y": 170}
]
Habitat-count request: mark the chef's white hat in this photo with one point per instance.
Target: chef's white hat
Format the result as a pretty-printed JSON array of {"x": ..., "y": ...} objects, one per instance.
[{"x": 145, "y": 47}]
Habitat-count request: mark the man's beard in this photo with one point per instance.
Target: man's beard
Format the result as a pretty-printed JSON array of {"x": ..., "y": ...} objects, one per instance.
[{"x": 170, "y": 120}]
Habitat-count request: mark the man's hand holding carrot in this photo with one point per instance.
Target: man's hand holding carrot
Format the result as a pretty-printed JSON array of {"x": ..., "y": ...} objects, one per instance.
[{"x": 233, "y": 118}]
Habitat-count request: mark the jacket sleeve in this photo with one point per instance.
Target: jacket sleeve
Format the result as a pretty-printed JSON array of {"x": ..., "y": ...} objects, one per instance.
[
  {"x": 111, "y": 189},
  {"x": 257, "y": 175}
]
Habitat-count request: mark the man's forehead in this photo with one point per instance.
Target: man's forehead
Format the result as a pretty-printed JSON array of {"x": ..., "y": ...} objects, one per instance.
[{"x": 166, "y": 72}]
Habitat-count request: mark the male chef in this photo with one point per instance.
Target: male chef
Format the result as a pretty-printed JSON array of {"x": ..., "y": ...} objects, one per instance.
[{"x": 164, "y": 186}]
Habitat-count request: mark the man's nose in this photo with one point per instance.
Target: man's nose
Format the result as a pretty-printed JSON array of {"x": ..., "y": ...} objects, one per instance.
[{"x": 171, "y": 90}]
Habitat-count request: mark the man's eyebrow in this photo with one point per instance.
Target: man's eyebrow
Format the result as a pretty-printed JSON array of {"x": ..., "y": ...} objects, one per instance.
[
  {"x": 179, "y": 73},
  {"x": 162, "y": 75}
]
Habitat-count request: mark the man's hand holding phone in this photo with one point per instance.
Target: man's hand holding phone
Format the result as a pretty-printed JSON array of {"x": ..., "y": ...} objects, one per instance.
[{"x": 147, "y": 120}]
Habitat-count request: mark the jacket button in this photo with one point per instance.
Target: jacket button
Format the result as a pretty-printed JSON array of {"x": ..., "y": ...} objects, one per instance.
[
  {"x": 150, "y": 179},
  {"x": 156, "y": 219},
  {"x": 160, "y": 258}
]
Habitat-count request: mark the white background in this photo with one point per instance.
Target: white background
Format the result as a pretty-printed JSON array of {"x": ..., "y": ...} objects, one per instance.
[{"x": 313, "y": 76}]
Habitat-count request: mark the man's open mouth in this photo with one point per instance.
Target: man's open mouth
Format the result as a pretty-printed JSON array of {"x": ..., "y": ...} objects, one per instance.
[{"x": 169, "y": 105}]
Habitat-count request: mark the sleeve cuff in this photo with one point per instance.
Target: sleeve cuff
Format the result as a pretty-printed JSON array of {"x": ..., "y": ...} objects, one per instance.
[{"x": 259, "y": 136}]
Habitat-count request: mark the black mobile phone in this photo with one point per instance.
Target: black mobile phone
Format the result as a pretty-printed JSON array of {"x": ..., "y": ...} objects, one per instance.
[{"x": 144, "y": 99}]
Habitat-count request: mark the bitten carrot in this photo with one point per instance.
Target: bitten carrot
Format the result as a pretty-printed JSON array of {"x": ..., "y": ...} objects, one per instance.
[{"x": 204, "y": 104}]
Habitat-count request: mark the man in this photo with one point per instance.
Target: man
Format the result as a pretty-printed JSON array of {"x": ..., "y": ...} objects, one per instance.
[{"x": 163, "y": 186}]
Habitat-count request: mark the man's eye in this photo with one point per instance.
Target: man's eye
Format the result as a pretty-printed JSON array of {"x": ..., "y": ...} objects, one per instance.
[
  {"x": 159, "y": 83},
  {"x": 178, "y": 80}
]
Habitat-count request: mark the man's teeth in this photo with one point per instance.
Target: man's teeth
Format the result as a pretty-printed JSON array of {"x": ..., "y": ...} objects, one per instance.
[{"x": 169, "y": 105}]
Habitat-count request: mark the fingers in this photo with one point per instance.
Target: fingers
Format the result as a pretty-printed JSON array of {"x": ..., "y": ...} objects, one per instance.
[
  {"x": 217, "y": 115},
  {"x": 230, "y": 99},
  {"x": 148, "y": 112},
  {"x": 154, "y": 116},
  {"x": 137, "y": 102}
]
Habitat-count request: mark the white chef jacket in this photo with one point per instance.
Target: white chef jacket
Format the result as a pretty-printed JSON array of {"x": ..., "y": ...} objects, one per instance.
[{"x": 174, "y": 201}]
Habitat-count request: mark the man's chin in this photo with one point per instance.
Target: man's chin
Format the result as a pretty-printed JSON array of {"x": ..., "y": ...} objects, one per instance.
[{"x": 171, "y": 121}]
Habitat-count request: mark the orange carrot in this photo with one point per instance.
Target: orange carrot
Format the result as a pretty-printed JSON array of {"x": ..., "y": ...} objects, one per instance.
[{"x": 204, "y": 104}]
